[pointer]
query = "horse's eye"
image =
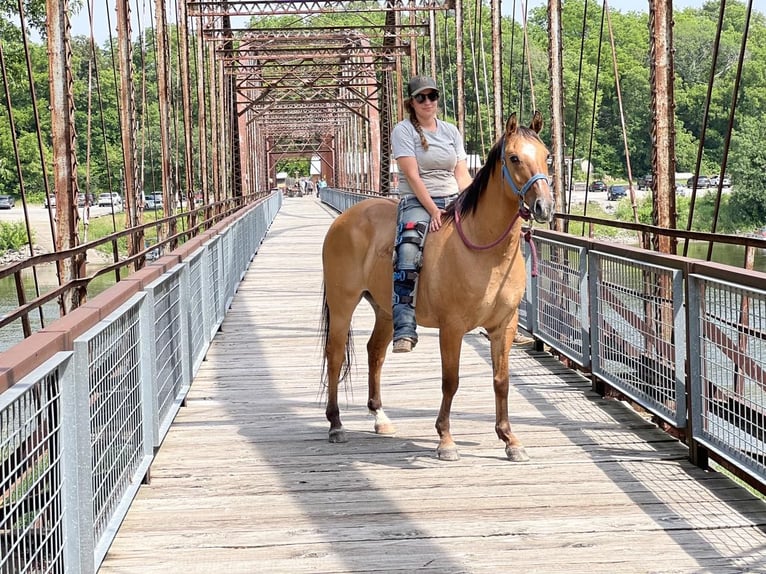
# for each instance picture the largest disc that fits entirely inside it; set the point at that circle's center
(514, 158)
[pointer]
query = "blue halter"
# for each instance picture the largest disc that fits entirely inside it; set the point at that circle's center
(530, 182)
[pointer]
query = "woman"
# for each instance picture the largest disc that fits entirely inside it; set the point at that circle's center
(432, 162)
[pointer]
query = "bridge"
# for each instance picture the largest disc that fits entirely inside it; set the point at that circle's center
(174, 420)
(200, 442)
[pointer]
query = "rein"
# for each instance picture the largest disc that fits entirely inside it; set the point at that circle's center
(523, 212)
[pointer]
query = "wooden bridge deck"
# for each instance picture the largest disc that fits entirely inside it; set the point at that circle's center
(247, 482)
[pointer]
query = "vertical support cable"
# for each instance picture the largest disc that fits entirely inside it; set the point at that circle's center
(460, 102)
(202, 116)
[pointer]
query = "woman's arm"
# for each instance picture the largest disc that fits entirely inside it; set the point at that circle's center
(462, 175)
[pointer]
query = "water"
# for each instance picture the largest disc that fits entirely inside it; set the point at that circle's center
(725, 253)
(46, 278)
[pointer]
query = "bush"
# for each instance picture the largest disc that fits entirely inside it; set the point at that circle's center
(13, 236)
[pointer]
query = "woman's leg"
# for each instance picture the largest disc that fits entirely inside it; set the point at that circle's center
(412, 224)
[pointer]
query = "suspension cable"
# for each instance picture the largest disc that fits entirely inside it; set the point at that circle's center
(622, 114)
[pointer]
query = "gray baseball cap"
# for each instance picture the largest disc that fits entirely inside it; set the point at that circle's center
(420, 84)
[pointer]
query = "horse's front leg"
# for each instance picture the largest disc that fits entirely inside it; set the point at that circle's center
(500, 347)
(449, 344)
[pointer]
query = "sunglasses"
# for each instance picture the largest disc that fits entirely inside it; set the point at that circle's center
(420, 98)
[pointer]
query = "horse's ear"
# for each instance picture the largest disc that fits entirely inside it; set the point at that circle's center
(537, 122)
(511, 125)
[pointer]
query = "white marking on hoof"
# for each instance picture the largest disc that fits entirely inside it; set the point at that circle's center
(383, 424)
(516, 453)
(450, 454)
(338, 435)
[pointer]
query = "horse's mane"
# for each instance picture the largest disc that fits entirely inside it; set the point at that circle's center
(469, 197)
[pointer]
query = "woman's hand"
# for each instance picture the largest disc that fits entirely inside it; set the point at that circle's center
(436, 221)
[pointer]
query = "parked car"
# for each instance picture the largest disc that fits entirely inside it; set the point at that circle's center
(6, 201)
(616, 192)
(645, 181)
(50, 201)
(714, 179)
(109, 199)
(153, 201)
(598, 185)
(702, 182)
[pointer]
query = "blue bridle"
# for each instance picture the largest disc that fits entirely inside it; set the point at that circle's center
(530, 182)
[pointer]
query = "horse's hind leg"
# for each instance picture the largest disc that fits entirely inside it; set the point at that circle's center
(500, 347)
(335, 356)
(381, 336)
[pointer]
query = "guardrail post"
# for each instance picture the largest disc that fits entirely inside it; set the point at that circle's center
(698, 454)
(76, 463)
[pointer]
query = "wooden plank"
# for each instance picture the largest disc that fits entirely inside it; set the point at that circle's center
(246, 480)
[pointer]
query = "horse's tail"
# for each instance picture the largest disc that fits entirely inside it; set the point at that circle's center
(348, 360)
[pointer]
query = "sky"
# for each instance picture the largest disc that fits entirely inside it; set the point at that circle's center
(80, 24)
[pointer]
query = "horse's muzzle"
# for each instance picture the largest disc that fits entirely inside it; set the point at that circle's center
(542, 210)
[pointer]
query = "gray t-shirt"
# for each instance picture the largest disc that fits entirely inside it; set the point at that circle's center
(435, 165)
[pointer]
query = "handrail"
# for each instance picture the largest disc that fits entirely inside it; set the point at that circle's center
(219, 211)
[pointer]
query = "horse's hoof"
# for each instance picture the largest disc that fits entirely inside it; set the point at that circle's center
(383, 424)
(385, 429)
(338, 435)
(516, 453)
(450, 454)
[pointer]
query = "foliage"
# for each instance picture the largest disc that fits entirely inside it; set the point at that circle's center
(13, 236)
(295, 167)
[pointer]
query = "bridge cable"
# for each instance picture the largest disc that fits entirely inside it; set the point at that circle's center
(20, 175)
(570, 182)
(478, 125)
(619, 104)
(510, 61)
(448, 52)
(528, 60)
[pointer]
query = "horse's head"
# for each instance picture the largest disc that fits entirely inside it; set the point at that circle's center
(525, 166)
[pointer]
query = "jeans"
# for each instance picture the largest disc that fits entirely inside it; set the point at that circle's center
(408, 261)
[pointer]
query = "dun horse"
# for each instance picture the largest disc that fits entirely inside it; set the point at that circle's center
(473, 275)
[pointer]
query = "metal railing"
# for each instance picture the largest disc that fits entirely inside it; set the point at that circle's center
(682, 338)
(78, 433)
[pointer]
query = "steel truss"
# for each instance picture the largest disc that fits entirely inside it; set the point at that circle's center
(308, 81)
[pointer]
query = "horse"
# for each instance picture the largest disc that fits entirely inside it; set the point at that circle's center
(473, 275)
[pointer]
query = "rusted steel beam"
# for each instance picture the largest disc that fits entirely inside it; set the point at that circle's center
(663, 136)
(287, 8)
(556, 106)
(163, 93)
(497, 74)
(64, 145)
(186, 108)
(128, 124)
